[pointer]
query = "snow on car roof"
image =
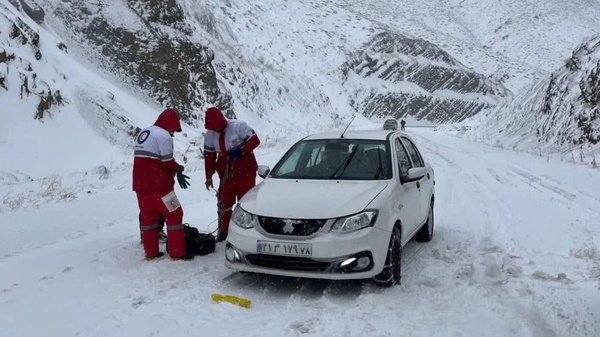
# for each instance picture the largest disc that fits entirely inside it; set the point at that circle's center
(353, 134)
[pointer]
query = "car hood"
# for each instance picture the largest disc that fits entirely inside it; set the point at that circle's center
(310, 199)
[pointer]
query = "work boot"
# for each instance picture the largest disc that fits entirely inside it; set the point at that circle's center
(186, 257)
(221, 236)
(155, 256)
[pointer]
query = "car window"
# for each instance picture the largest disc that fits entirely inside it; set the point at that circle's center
(413, 152)
(403, 160)
(291, 163)
(343, 159)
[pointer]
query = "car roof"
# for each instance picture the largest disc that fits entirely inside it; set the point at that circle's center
(355, 134)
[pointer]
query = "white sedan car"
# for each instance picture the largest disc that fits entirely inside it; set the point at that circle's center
(335, 207)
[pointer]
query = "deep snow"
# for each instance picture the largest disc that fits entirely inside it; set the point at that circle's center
(515, 250)
(514, 254)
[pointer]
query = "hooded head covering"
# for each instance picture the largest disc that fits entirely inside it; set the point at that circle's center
(169, 120)
(215, 120)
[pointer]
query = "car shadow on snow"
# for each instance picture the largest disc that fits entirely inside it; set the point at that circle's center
(286, 287)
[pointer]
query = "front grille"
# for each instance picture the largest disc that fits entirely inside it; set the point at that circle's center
(290, 226)
(287, 262)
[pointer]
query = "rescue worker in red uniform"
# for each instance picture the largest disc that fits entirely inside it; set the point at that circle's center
(228, 150)
(154, 168)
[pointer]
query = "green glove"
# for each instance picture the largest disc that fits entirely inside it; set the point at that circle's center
(182, 179)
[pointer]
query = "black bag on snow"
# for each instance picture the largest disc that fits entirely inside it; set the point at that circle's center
(197, 243)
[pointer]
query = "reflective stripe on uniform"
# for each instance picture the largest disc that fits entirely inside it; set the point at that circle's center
(225, 210)
(174, 227)
(146, 154)
(166, 157)
(148, 227)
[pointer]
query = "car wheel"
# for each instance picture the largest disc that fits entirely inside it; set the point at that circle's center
(425, 234)
(391, 272)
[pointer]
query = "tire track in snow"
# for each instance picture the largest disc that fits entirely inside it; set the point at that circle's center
(493, 268)
(535, 181)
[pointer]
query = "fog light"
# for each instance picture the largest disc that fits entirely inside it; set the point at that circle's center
(347, 262)
(231, 254)
(362, 263)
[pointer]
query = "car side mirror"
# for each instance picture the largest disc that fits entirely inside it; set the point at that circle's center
(414, 174)
(263, 171)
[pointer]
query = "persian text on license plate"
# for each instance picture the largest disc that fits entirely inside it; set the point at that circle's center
(283, 248)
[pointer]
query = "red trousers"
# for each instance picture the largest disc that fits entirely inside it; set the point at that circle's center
(232, 188)
(151, 207)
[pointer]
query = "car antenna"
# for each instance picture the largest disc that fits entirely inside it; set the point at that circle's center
(347, 126)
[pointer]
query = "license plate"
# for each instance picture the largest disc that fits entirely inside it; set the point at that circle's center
(283, 248)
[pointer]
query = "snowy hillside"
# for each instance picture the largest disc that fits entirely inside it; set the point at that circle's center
(558, 117)
(53, 110)
(515, 42)
(308, 65)
(219, 55)
(520, 44)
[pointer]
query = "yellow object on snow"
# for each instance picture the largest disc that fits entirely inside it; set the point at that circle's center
(242, 302)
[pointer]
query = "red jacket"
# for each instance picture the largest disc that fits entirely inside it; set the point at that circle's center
(154, 166)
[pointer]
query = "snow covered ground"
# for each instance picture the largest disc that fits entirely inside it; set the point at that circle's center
(514, 254)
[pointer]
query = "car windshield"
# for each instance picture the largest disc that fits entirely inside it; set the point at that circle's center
(336, 159)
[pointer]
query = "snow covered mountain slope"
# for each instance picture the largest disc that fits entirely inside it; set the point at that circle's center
(216, 49)
(520, 44)
(246, 58)
(396, 76)
(56, 116)
(515, 42)
(560, 115)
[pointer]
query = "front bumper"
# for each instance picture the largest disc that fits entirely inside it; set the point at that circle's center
(329, 251)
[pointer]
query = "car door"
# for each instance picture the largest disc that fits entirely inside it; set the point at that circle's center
(409, 197)
(423, 184)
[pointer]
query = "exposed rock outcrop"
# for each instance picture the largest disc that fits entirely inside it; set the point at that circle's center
(559, 114)
(154, 54)
(401, 76)
(19, 68)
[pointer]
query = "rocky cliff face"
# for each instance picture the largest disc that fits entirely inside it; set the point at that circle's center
(153, 52)
(162, 50)
(399, 76)
(190, 56)
(21, 60)
(559, 113)
(39, 80)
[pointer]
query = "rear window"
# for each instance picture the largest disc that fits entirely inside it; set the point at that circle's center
(390, 124)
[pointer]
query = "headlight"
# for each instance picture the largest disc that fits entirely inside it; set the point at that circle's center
(243, 219)
(354, 222)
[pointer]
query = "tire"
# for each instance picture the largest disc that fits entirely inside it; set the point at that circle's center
(391, 273)
(425, 234)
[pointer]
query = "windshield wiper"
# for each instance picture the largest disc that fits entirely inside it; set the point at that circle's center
(344, 164)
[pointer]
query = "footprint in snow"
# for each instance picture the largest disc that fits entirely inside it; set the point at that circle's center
(562, 277)
(6, 290)
(137, 301)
